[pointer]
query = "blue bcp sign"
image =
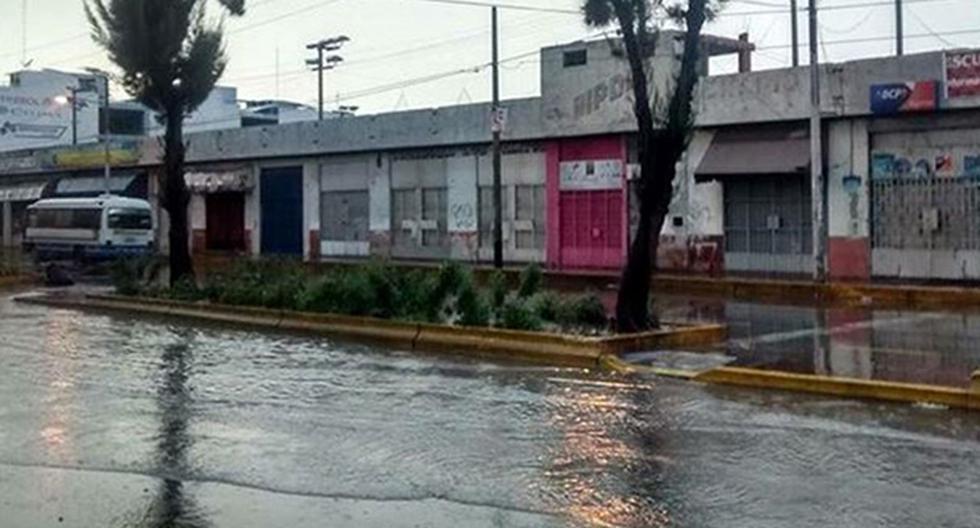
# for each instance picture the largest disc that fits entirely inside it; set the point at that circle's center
(895, 98)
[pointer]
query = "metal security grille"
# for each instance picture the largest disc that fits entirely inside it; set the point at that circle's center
(926, 213)
(529, 216)
(345, 216)
(486, 214)
(767, 216)
(404, 216)
(523, 226)
(433, 224)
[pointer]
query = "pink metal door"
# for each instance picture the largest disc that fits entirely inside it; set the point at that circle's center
(591, 229)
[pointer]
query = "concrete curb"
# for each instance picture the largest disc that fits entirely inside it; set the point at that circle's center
(16, 280)
(947, 298)
(847, 387)
(536, 347)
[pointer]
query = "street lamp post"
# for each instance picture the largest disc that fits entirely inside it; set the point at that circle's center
(322, 63)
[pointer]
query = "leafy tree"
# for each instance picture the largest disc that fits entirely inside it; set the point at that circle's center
(171, 56)
(662, 132)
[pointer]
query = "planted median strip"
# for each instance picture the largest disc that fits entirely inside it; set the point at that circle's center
(500, 343)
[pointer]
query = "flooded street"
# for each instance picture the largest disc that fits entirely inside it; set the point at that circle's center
(916, 347)
(131, 422)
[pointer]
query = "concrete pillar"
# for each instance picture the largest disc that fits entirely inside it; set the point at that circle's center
(8, 224)
(253, 206)
(848, 199)
(311, 211)
(379, 200)
(197, 215)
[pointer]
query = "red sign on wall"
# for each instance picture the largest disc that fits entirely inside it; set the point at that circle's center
(962, 74)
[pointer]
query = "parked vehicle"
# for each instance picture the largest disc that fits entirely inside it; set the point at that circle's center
(89, 228)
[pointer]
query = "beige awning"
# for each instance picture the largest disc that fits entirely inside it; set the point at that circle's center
(201, 182)
(751, 151)
(21, 192)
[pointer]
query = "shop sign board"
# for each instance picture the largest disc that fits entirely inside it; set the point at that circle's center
(591, 175)
(962, 70)
(896, 98)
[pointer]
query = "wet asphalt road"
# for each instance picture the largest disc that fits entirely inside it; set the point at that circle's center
(121, 422)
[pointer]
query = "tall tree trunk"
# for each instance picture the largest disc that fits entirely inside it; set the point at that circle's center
(660, 148)
(176, 197)
(632, 309)
(633, 301)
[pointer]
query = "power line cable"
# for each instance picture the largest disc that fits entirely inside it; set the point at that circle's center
(515, 7)
(860, 40)
(926, 27)
(839, 7)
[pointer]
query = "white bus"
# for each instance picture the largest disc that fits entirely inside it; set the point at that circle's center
(89, 228)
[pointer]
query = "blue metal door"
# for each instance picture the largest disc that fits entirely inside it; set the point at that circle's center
(282, 211)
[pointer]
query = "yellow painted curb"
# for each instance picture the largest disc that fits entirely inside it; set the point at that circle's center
(538, 347)
(16, 280)
(613, 363)
(847, 387)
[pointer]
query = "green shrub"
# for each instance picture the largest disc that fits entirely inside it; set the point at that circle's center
(319, 295)
(448, 280)
(516, 314)
(384, 286)
(185, 290)
(414, 293)
(343, 292)
(447, 295)
(532, 278)
(582, 311)
(130, 276)
(497, 285)
(546, 305)
(472, 307)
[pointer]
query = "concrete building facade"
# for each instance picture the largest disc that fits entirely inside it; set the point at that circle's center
(901, 157)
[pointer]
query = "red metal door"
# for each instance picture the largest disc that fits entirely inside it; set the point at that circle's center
(226, 221)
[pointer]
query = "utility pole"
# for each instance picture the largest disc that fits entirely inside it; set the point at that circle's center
(322, 63)
(794, 32)
(73, 90)
(498, 221)
(105, 141)
(816, 152)
(899, 29)
(104, 135)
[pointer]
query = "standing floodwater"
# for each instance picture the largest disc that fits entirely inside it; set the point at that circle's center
(112, 421)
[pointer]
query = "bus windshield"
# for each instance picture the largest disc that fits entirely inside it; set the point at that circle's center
(130, 218)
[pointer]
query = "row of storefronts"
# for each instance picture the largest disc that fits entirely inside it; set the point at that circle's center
(902, 191)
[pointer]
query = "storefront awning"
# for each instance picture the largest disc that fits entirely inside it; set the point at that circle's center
(202, 182)
(21, 192)
(756, 151)
(93, 185)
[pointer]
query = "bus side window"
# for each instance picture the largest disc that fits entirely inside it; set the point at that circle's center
(87, 219)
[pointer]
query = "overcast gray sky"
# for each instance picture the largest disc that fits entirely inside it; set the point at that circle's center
(394, 43)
